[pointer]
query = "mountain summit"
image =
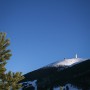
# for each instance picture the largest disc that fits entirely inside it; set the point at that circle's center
(66, 62)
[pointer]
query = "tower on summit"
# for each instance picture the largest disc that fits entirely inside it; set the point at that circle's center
(76, 56)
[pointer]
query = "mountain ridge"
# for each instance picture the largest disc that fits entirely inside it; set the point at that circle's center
(66, 62)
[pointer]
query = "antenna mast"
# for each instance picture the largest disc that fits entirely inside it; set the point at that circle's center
(76, 56)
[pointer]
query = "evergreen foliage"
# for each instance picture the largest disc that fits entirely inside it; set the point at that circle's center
(9, 80)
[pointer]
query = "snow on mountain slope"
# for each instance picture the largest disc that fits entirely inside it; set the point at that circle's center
(67, 87)
(28, 84)
(66, 62)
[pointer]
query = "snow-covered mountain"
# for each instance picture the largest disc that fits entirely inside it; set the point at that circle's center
(65, 71)
(66, 62)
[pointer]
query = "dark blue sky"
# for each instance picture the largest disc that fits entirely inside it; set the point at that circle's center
(44, 31)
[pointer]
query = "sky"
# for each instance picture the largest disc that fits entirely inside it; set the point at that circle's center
(45, 31)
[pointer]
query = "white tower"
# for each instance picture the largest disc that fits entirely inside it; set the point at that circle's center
(76, 56)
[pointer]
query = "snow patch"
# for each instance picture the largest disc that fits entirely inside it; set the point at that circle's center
(28, 83)
(66, 87)
(66, 62)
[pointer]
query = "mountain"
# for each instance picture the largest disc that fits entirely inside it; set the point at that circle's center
(66, 62)
(75, 71)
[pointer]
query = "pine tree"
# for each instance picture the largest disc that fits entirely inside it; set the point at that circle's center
(9, 80)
